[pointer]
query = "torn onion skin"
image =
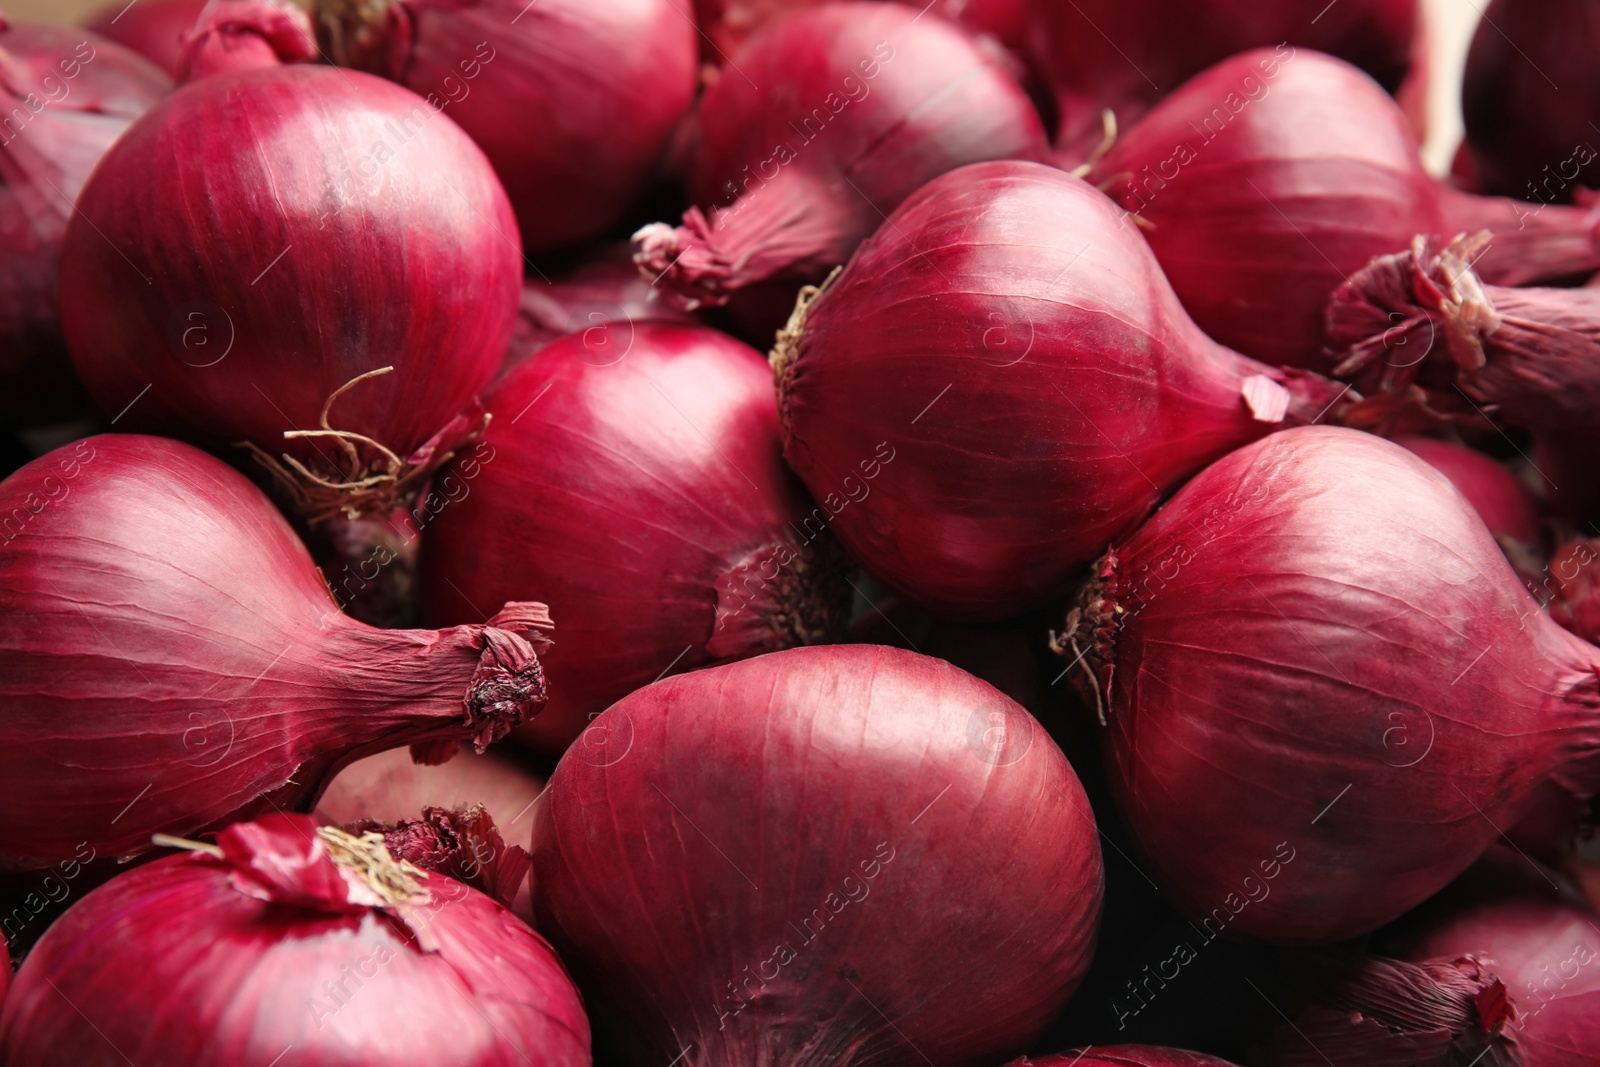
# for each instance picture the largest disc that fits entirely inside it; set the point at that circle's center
(1000, 382)
(858, 105)
(152, 28)
(170, 659)
(289, 942)
(1315, 658)
(1423, 336)
(209, 278)
(634, 473)
(1265, 181)
(573, 101)
(818, 898)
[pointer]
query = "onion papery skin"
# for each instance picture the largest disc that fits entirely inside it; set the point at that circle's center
(170, 659)
(188, 960)
(636, 475)
(1499, 967)
(265, 235)
(67, 95)
(573, 101)
(727, 24)
(999, 383)
(151, 27)
(850, 778)
(1125, 1056)
(1104, 54)
(861, 103)
(1528, 104)
(1323, 615)
(1271, 177)
(1422, 335)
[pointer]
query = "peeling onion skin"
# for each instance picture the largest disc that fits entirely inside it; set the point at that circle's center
(1125, 1056)
(1310, 179)
(1127, 56)
(573, 101)
(171, 661)
(1527, 105)
(783, 198)
(171, 963)
(635, 470)
(1322, 650)
(171, 270)
(846, 769)
(151, 27)
(45, 158)
(1007, 345)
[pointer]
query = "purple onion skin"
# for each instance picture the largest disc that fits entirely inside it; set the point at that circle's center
(150, 27)
(1257, 650)
(842, 770)
(67, 95)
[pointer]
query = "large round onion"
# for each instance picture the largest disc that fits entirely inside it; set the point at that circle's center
(153, 28)
(636, 478)
(67, 95)
(817, 856)
(269, 235)
(292, 946)
(1000, 382)
(1323, 687)
(573, 101)
(170, 659)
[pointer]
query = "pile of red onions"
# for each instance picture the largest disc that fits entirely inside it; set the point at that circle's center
(636, 480)
(66, 95)
(824, 122)
(153, 28)
(1264, 182)
(1001, 381)
(1324, 689)
(209, 281)
(573, 101)
(818, 898)
(170, 659)
(287, 944)
(1126, 55)
(1530, 95)
(1421, 334)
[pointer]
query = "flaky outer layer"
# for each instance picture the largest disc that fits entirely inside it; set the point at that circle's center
(1324, 688)
(890, 855)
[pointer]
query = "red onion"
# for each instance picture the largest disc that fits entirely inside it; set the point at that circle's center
(460, 843)
(1126, 56)
(67, 95)
(1420, 329)
(1499, 969)
(1000, 382)
(1324, 688)
(818, 898)
(292, 945)
(636, 480)
(573, 101)
(858, 105)
(727, 24)
(150, 27)
(141, 573)
(1265, 181)
(209, 279)
(1529, 94)
(1124, 1056)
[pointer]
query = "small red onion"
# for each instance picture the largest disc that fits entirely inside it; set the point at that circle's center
(635, 477)
(295, 946)
(1267, 180)
(140, 573)
(1124, 1056)
(67, 95)
(274, 249)
(1419, 330)
(573, 101)
(1000, 382)
(1126, 55)
(815, 857)
(152, 28)
(827, 120)
(1324, 689)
